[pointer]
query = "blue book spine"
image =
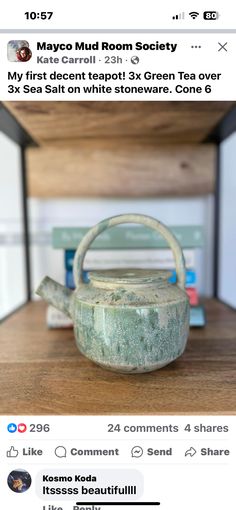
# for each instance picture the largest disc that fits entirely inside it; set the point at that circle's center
(69, 257)
(70, 279)
(190, 277)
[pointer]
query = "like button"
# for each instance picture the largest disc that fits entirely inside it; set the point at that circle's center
(12, 452)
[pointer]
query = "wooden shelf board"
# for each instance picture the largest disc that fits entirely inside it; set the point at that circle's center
(50, 122)
(120, 149)
(42, 372)
(113, 169)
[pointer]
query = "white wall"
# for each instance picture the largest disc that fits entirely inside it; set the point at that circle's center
(45, 214)
(12, 263)
(227, 248)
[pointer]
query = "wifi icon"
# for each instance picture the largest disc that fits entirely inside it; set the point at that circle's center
(194, 14)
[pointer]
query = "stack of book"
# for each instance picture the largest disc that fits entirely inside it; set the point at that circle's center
(129, 247)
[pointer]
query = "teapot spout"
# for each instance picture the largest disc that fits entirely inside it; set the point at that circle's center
(55, 294)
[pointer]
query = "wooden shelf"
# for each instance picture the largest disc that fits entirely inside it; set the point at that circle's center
(67, 122)
(42, 372)
(120, 148)
(121, 169)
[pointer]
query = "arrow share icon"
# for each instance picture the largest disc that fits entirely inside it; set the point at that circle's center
(190, 452)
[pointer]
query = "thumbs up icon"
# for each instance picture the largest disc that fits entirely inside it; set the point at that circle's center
(12, 452)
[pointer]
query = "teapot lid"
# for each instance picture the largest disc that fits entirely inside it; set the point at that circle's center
(130, 276)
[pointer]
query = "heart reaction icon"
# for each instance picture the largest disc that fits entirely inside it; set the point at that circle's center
(22, 428)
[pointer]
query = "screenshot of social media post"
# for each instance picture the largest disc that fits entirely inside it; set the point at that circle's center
(117, 257)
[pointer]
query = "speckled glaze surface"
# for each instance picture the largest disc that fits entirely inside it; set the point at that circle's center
(128, 320)
(131, 327)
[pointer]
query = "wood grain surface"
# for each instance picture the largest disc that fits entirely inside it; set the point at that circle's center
(121, 169)
(42, 372)
(164, 121)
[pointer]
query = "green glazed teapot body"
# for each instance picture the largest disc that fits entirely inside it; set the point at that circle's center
(130, 320)
(126, 320)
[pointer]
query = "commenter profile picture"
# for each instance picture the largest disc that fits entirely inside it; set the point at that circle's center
(18, 51)
(19, 481)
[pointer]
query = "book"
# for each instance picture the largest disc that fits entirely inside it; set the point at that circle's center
(144, 258)
(192, 295)
(197, 317)
(68, 259)
(132, 237)
(70, 279)
(56, 319)
(109, 259)
(190, 277)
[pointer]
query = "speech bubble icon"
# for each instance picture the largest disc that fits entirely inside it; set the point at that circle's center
(137, 451)
(60, 451)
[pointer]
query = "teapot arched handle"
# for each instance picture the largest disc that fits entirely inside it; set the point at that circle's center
(129, 218)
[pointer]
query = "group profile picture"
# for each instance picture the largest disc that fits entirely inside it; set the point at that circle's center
(18, 51)
(19, 481)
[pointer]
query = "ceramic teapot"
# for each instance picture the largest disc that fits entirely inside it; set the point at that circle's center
(126, 320)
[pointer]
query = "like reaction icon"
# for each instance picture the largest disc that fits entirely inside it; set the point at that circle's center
(12, 453)
(12, 427)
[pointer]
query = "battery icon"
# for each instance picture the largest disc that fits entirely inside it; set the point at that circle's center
(210, 15)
